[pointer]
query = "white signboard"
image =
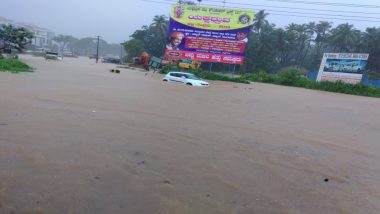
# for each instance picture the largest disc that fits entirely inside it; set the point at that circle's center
(346, 67)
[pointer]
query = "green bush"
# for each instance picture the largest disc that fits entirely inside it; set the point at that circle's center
(304, 82)
(168, 68)
(293, 77)
(372, 75)
(219, 77)
(289, 77)
(261, 76)
(355, 89)
(14, 66)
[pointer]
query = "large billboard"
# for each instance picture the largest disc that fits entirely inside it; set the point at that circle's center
(346, 67)
(208, 34)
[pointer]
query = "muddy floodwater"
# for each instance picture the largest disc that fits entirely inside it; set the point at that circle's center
(76, 138)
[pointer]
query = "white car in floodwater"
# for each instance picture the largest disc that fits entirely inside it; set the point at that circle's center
(186, 78)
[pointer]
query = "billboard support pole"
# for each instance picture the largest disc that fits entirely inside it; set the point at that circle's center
(210, 66)
(233, 70)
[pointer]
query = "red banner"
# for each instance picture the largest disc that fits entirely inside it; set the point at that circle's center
(204, 57)
(212, 44)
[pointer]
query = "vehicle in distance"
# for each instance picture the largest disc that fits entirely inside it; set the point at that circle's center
(52, 55)
(186, 78)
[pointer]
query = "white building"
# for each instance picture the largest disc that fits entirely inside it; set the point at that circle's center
(42, 36)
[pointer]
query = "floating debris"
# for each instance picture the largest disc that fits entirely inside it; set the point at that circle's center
(166, 182)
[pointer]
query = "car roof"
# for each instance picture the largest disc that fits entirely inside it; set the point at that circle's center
(179, 72)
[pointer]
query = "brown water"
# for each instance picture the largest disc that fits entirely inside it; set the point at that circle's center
(75, 138)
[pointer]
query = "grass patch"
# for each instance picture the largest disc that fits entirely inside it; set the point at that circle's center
(205, 74)
(295, 78)
(14, 66)
(291, 77)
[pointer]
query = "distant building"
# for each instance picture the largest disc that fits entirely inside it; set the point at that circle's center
(42, 36)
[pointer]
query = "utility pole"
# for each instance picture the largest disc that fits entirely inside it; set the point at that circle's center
(121, 53)
(97, 50)
(199, 1)
(224, 3)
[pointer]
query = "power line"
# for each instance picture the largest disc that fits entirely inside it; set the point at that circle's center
(322, 14)
(307, 2)
(327, 3)
(336, 15)
(327, 16)
(293, 8)
(320, 17)
(296, 8)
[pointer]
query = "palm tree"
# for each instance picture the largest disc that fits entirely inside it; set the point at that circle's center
(157, 35)
(160, 25)
(370, 43)
(282, 45)
(344, 38)
(307, 36)
(260, 20)
(321, 29)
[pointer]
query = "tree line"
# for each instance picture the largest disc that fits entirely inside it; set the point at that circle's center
(14, 38)
(84, 46)
(303, 45)
(272, 48)
(19, 38)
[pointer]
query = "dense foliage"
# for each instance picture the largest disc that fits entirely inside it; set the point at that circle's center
(85, 46)
(14, 38)
(153, 37)
(293, 77)
(272, 48)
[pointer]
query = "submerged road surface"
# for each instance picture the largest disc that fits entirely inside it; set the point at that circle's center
(76, 138)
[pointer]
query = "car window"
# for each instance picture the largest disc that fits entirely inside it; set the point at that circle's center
(193, 77)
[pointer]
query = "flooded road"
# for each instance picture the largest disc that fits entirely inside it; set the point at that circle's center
(75, 138)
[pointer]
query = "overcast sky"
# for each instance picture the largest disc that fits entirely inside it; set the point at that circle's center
(116, 20)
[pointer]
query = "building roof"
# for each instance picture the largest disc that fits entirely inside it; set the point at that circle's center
(21, 24)
(8, 21)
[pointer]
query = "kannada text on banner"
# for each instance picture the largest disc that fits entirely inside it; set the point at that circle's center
(208, 34)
